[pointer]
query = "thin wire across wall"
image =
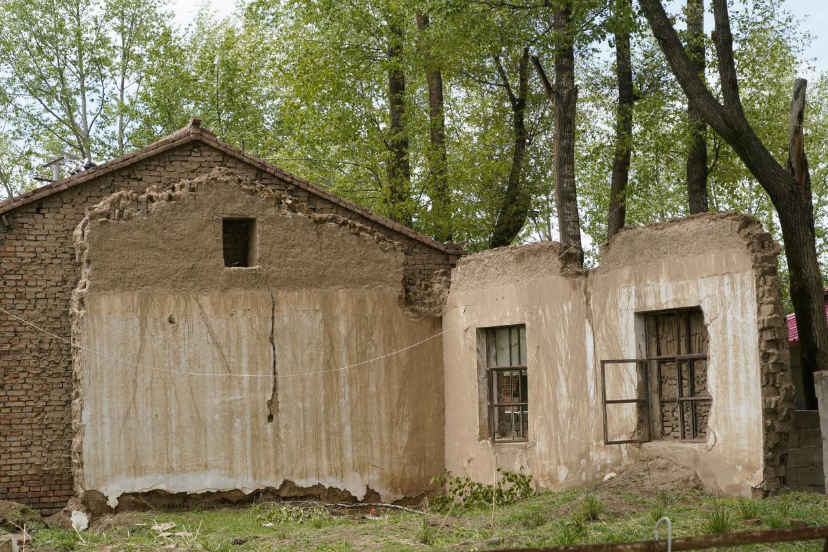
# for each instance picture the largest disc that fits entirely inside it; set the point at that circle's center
(271, 376)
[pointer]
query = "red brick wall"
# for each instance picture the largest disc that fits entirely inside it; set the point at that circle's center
(39, 272)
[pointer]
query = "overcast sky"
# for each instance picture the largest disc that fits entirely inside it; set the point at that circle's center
(185, 9)
(814, 14)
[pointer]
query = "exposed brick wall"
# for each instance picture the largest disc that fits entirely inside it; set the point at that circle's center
(804, 465)
(39, 272)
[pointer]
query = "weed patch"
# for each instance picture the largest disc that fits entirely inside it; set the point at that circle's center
(511, 487)
(720, 520)
(592, 507)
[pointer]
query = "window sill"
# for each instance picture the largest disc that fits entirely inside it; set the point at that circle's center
(515, 443)
(662, 443)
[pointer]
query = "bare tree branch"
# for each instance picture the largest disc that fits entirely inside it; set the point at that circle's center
(547, 86)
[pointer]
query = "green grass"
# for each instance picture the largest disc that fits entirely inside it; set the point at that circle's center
(426, 535)
(592, 507)
(546, 519)
(749, 508)
(657, 512)
(720, 520)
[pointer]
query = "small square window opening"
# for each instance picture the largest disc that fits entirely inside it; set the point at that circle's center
(239, 242)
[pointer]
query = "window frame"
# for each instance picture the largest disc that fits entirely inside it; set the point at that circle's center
(643, 403)
(519, 408)
(643, 368)
(679, 359)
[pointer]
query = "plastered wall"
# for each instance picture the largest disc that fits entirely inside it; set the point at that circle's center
(39, 272)
(574, 319)
(194, 378)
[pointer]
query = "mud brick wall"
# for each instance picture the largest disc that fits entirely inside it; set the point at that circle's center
(804, 465)
(39, 272)
(670, 423)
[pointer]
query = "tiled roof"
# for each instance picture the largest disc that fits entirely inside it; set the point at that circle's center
(194, 133)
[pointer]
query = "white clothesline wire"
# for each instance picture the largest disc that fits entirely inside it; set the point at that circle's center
(268, 376)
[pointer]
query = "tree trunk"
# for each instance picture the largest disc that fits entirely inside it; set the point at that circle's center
(514, 208)
(792, 202)
(623, 120)
(398, 168)
(697, 154)
(122, 69)
(797, 166)
(806, 294)
(797, 163)
(121, 92)
(566, 94)
(437, 155)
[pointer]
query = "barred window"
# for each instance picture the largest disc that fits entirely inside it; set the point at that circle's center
(677, 357)
(506, 381)
(664, 395)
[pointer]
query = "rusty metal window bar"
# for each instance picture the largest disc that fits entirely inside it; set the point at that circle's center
(506, 382)
(641, 400)
(684, 353)
(684, 357)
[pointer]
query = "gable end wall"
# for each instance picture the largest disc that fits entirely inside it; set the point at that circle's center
(39, 272)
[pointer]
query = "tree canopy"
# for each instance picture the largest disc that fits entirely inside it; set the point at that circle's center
(345, 94)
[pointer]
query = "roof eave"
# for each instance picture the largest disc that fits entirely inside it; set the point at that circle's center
(194, 132)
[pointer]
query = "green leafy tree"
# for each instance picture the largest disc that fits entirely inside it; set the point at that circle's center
(72, 70)
(788, 186)
(136, 27)
(220, 70)
(15, 167)
(56, 64)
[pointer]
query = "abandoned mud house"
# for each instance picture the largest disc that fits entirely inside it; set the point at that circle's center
(189, 319)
